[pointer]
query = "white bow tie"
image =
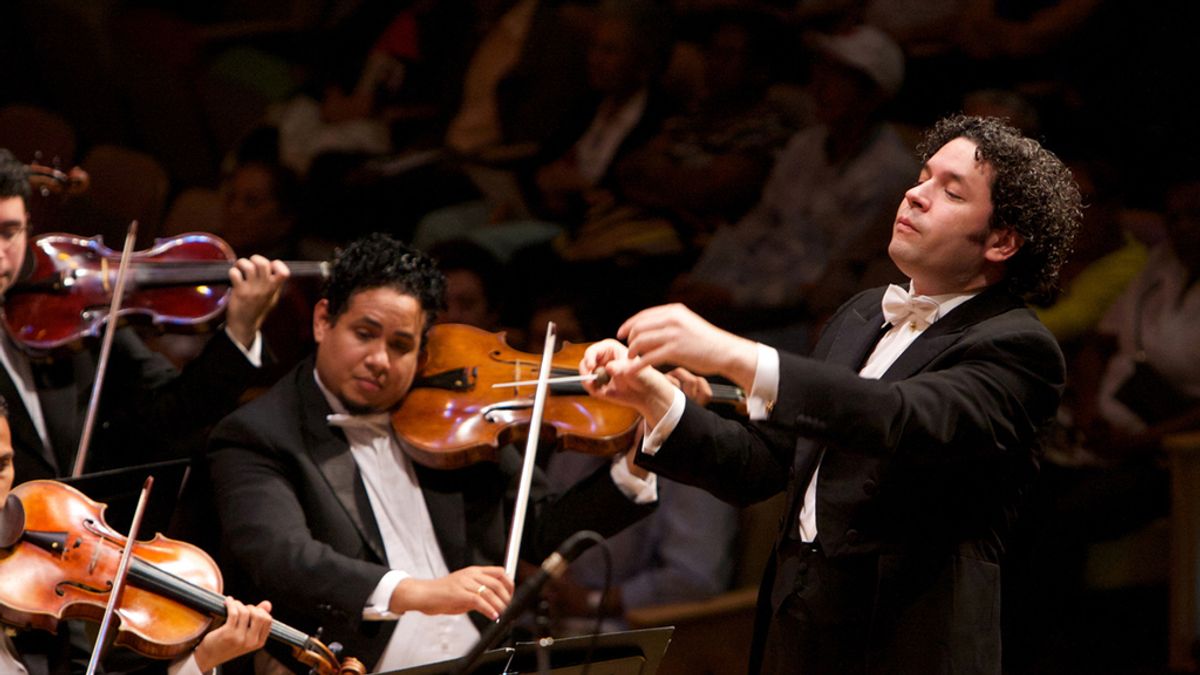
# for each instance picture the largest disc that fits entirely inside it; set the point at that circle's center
(900, 307)
(380, 423)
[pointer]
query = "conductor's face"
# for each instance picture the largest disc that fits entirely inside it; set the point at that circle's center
(942, 238)
(368, 355)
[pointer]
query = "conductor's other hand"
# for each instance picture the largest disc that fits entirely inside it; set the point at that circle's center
(245, 630)
(486, 590)
(675, 335)
(257, 283)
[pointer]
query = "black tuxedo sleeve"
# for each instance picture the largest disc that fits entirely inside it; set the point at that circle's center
(737, 461)
(987, 394)
(158, 402)
(309, 565)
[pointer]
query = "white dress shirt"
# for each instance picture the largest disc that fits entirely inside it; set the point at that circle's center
(765, 391)
(411, 546)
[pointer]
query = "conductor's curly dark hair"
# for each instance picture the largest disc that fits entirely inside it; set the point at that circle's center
(1033, 194)
(380, 261)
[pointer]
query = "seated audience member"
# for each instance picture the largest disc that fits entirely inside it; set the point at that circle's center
(823, 216)
(258, 209)
(1137, 380)
(474, 283)
(244, 630)
(1103, 263)
(321, 510)
(147, 405)
(573, 170)
(707, 165)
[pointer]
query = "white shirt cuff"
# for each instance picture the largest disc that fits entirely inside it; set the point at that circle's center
(378, 604)
(654, 440)
(254, 353)
(186, 666)
(765, 390)
(640, 490)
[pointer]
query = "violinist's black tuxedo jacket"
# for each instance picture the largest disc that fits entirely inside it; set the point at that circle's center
(921, 476)
(147, 406)
(297, 525)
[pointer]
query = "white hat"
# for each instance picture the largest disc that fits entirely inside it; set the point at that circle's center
(868, 50)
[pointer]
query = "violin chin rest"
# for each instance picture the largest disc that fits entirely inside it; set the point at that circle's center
(12, 521)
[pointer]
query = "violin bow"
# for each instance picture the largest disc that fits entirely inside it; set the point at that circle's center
(531, 444)
(118, 582)
(110, 329)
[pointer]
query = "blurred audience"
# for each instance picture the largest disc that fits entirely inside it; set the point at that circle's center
(808, 243)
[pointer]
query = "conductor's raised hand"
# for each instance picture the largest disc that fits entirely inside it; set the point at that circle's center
(257, 283)
(486, 590)
(675, 335)
(626, 381)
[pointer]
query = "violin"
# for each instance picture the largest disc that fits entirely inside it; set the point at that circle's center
(181, 283)
(59, 564)
(453, 416)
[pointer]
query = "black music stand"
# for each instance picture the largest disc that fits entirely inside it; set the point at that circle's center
(120, 489)
(634, 652)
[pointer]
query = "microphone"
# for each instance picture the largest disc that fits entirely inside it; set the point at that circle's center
(525, 595)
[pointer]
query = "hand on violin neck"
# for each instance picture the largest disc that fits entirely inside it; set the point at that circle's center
(257, 283)
(486, 590)
(628, 381)
(245, 629)
(673, 334)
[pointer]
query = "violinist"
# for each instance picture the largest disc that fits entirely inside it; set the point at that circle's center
(244, 631)
(321, 511)
(147, 405)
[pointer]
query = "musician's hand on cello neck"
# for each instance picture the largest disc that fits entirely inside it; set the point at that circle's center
(245, 629)
(674, 334)
(486, 590)
(257, 283)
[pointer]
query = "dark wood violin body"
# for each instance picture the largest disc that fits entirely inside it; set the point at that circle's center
(453, 416)
(181, 282)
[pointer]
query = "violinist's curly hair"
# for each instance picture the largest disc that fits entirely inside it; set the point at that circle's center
(1033, 194)
(380, 261)
(14, 177)
(3, 408)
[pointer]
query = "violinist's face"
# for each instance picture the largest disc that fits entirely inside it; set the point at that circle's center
(14, 226)
(6, 461)
(368, 356)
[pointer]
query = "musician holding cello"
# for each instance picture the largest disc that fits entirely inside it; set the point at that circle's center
(244, 631)
(322, 511)
(147, 404)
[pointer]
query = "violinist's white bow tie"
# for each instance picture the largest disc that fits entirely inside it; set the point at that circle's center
(378, 422)
(900, 307)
